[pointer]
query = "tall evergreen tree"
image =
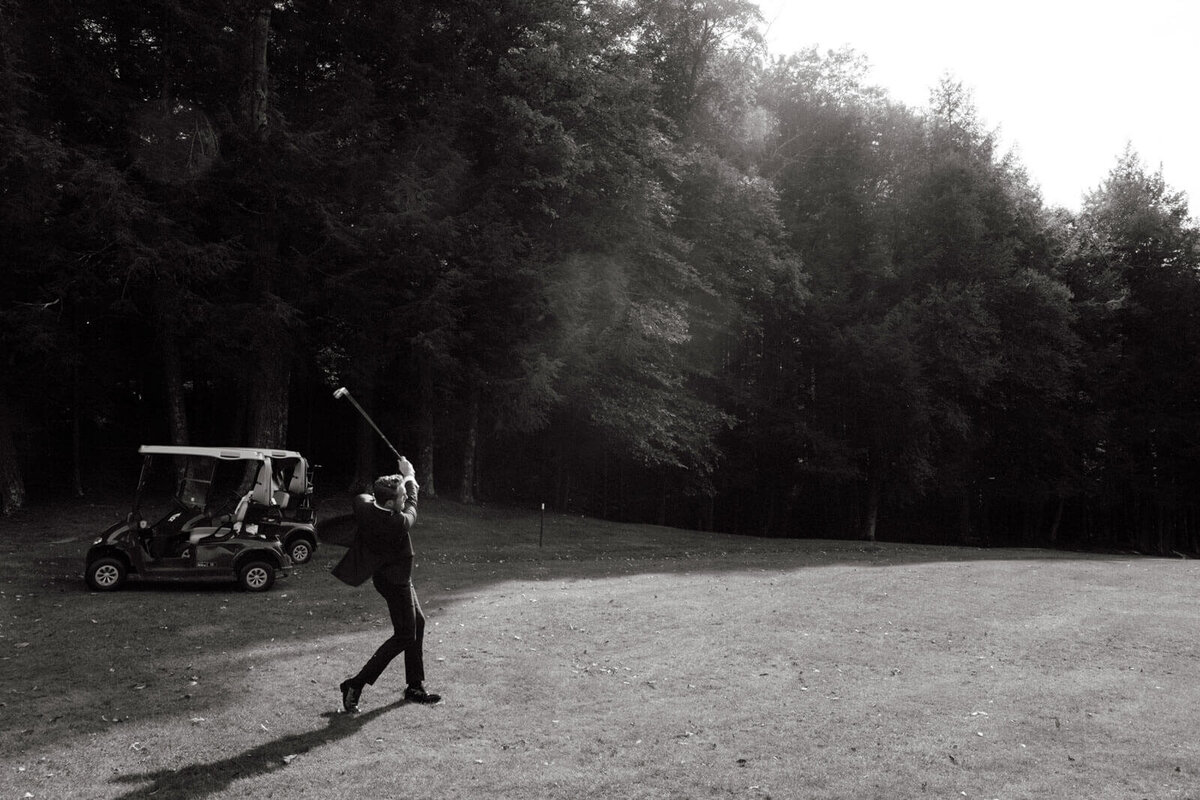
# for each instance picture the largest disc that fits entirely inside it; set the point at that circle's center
(1133, 269)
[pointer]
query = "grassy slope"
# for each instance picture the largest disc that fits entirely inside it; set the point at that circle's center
(615, 661)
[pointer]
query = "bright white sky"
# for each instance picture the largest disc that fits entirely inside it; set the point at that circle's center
(1066, 83)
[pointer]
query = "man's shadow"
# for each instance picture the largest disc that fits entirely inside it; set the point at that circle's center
(199, 780)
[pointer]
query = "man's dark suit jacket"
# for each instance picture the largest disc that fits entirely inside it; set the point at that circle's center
(381, 539)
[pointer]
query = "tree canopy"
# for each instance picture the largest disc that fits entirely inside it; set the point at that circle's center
(608, 255)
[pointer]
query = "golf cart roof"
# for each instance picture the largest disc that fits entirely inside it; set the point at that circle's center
(228, 453)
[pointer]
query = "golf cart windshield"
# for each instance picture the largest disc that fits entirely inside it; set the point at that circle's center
(197, 478)
(228, 483)
(198, 483)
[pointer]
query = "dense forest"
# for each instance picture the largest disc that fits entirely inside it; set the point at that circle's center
(610, 255)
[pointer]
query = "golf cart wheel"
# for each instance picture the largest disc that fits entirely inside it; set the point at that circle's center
(256, 576)
(106, 574)
(300, 550)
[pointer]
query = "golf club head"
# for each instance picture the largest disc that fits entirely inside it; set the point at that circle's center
(338, 394)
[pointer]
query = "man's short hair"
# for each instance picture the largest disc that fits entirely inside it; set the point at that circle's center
(387, 487)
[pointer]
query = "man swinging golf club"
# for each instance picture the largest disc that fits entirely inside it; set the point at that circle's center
(382, 550)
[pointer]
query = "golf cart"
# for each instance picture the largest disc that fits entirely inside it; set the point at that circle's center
(210, 512)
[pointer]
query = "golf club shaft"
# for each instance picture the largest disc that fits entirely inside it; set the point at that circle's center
(343, 392)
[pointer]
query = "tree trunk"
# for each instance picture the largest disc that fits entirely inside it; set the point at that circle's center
(662, 499)
(768, 521)
(562, 476)
(271, 378)
(271, 372)
(425, 423)
(1054, 526)
(791, 499)
(269, 398)
(605, 493)
(965, 535)
(173, 376)
(255, 90)
(872, 515)
(172, 361)
(12, 483)
(466, 492)
(1161, 534)
(874, 495)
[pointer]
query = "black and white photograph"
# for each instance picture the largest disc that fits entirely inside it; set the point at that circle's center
(613, 399)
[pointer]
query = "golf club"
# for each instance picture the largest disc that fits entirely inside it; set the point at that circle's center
(343, 392)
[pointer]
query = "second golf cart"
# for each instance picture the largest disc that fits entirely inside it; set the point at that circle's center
(210, 512)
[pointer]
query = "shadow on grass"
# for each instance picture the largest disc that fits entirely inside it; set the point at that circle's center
(212, 778)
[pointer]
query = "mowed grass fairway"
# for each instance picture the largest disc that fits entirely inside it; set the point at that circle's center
(615, 661)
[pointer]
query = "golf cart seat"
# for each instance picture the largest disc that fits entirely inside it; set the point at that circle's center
(225, 528)
(282, 489)
(289, 490)
(298, 485)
